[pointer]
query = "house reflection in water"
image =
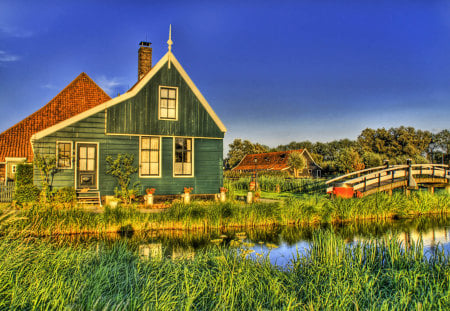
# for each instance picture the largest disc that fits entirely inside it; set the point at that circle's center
(430, 239)
(183, 253)
(155, 251)
(151, 250)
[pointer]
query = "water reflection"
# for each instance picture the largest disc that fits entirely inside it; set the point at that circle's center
(281, 244)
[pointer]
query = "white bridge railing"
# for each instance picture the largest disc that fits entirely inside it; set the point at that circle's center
(378, 176)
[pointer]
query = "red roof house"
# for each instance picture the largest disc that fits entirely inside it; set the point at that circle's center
(277, 161)
(15, 146)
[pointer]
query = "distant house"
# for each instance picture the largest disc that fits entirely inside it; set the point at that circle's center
(15, 147)
(163, 120)
(278, 161)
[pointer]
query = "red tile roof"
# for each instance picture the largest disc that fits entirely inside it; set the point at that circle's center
(80, 95)
(275, 161)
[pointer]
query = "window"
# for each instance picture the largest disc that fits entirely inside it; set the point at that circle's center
(149, 156)
(64, 150)
(183, 157)
(168, 103)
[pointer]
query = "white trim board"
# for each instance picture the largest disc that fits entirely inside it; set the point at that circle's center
(114, 101)
(14, 159)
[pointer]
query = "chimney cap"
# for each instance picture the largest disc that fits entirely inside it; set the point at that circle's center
(144, 43)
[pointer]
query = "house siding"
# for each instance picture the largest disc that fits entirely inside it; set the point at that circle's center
(208, 155)
(139, 115)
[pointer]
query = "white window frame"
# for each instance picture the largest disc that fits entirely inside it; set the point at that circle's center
(159, 103)
(71, 154)
(192, 158)
(160, 158)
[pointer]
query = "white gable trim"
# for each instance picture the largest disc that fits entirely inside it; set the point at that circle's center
(132, 93)
(197, 93)
(310, 156)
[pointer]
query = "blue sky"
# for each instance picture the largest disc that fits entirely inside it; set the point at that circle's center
(274, 71)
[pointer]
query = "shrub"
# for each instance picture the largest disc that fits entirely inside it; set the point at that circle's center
(122, 168)
(27, 193)
(24, 190)
(47, 168)
(24, 174)
(65, 195)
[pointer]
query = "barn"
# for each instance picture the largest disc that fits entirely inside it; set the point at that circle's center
(278, 161)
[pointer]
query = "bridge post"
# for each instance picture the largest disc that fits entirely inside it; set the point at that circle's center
(447, 189)
(407, 191)
(386, 163)
(431, 189)
(390, 192)
(410, 179)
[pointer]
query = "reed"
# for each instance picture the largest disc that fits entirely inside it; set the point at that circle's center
(273, 183)
(41, 220)
(384, 275)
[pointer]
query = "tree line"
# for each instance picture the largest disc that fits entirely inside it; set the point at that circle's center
(370, 149)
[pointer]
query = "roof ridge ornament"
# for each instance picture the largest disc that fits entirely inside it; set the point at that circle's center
(169, 43)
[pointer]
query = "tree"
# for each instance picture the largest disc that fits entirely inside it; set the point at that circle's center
(395, 142)
(47, 168)
(239, 149)
(442, 142)
(296, 161)
(372, 159)
(349, 160)
(122, 168)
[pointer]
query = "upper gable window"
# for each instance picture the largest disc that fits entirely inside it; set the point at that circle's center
(168, 103)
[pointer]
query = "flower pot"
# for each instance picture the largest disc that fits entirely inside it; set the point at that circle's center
(222, 197)
(187, 198)
(149, 200)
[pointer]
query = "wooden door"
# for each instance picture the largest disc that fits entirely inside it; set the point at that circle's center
(87, 170)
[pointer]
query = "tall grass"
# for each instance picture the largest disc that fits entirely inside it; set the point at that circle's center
(278, 183)
(378, 206)
(36, 275)
(50, 220)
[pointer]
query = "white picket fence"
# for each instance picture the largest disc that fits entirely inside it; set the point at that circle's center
(6, 192)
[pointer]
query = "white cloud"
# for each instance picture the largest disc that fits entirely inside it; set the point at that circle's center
(109, 85)
(15, 32)
(6, 57)
(49, 86)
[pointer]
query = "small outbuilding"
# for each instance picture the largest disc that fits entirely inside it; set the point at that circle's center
(279, 161)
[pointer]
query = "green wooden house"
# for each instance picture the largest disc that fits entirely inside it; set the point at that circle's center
(163, 120)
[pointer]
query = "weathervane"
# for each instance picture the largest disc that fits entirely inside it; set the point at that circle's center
(169, 43)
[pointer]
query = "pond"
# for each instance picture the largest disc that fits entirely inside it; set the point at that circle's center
(280, 244)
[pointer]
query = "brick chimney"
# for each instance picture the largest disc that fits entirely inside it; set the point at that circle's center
(144, 59)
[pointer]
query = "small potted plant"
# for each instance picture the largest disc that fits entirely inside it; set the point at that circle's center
(222, 195)
(149, 196)
(187, 194)
(114, 201)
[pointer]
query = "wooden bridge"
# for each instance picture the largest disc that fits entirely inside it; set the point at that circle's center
(385, 178)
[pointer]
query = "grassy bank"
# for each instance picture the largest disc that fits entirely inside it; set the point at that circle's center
(48, 220)
(383, 275)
